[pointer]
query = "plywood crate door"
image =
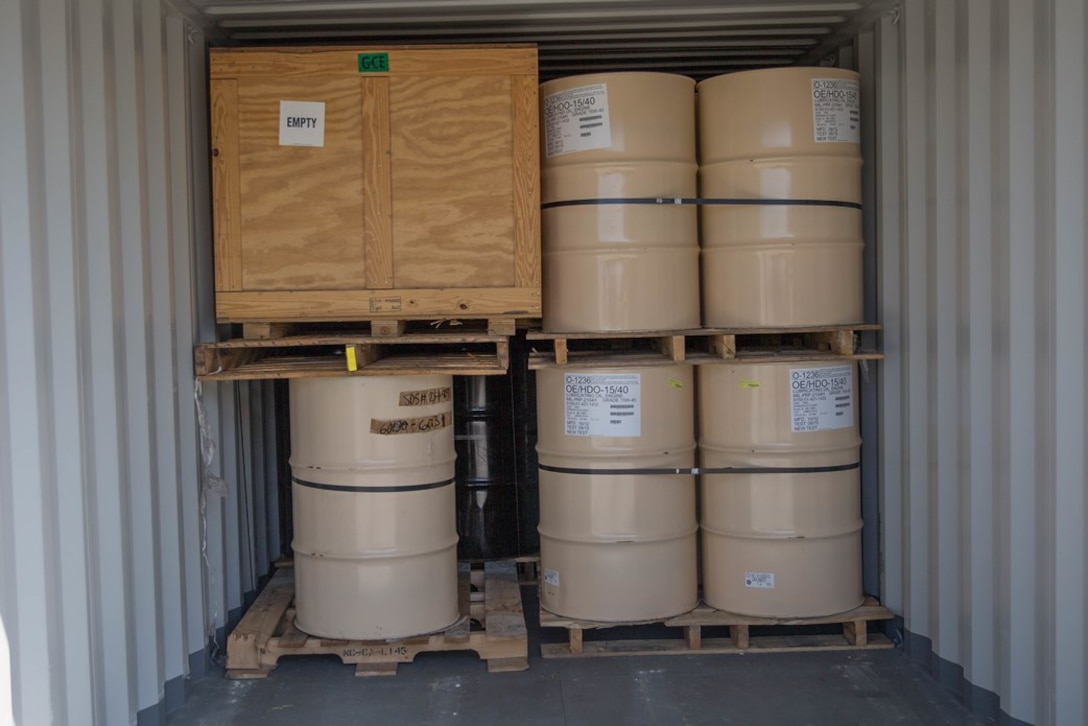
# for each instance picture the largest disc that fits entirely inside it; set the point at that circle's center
(302, 213)
(452, 181)
(420, 198)
(226, 202)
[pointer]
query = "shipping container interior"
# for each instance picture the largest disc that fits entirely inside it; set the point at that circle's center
(141, 511)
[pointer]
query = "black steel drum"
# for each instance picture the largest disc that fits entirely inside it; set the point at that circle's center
(487, 492)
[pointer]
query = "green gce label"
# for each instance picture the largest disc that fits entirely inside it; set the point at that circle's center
(373, 62)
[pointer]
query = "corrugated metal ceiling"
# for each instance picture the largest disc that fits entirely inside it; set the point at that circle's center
(694, 37)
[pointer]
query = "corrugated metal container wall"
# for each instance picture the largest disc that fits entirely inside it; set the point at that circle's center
(112, 577)
(116, 566)
(980, 160)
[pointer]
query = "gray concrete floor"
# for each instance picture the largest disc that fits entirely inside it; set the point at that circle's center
(846, 687)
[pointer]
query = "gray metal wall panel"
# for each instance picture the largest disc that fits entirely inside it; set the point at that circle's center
(868, 395)
(23, 507)
(187, 491)
(1070, 129)
(271, 468)
(104, 237)
(979, 651)
(980, 168)
(885, 158)
(172, 654)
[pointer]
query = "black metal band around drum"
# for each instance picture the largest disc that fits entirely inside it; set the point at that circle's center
(699, 201)
(373, 490)
(705, 470)
(778, 469)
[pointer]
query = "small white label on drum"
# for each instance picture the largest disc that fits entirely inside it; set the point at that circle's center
(836, 111)
(551, 577)
(759, 580)
(577, 120)
(302, 123)
(603, 404)
(822, 399)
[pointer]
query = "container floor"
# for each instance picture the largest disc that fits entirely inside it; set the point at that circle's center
(844, 687)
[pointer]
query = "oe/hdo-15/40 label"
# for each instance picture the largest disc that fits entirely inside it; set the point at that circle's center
(603, 404)
(577, 120)
(822, 399)
(836, 110)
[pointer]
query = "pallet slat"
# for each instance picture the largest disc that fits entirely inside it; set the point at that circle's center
(690, 640)
(502, 602)
(870, 609)
(711, 646)
(385, 349)
(244, 644)
(700, 346)
(267, 632)
(281, 368)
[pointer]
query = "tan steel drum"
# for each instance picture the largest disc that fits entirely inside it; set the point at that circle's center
(616, 547)
(780, 544)
(781, 134)
(613, 266)
(372, 463)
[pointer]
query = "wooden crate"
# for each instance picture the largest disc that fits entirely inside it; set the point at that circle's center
(423, 200)
(490, 597)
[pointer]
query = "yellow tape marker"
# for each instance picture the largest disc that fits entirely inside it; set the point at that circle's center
(349, 351)
(676, 383)
(749, 384)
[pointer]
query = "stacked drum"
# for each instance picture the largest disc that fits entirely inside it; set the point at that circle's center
(781, 247)
(614, 258)
(781, 148)
(616, 445)
(781, 520)
(372, 466)
(617, 529)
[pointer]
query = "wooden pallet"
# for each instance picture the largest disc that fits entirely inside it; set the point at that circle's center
(490, 597)
(701, 346)
(379, 348)
(624, 349)
(381, 328)
(776, 635)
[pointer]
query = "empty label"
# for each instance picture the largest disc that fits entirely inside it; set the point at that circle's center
(836, 111)
(603, 404)
(302, 123)
(577, 120)
(759, 580)
(551, 577)
(822, 399)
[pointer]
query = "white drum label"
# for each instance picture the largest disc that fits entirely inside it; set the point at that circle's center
(836, 111)
(759, 580)
(551, 577)
(603, 404)
(577, 120)
(822, 399)
(302, 123)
